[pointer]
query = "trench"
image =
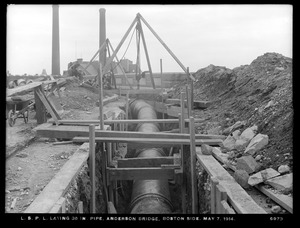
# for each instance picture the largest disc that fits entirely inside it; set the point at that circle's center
(134, 197)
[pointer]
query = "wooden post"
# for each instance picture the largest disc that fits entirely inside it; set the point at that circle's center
(187, 99)
(101, 97)
(220, 195)
(214, 181)
(183, 185)
(39, 107)
(127, 109)
(161, 74)
(92, 167)
(80, 207)
(193, 167)
(191, 91)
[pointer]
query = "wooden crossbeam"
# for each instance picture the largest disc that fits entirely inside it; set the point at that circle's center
(133, 91)
(125, 121)
(144, 162)
(155, 141)
(197, 103)
(69, 132)
(140, 173)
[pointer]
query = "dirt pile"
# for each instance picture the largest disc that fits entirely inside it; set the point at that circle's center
(259, 94)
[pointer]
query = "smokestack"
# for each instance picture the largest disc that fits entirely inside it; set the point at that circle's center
(55, 41)
(102, 35)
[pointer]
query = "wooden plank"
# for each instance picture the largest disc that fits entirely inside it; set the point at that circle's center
(59, 185)
(237, 196)
(59, 206)
(107, 100)
(197, 103)
(283, 200)
(124, 121)
(213, 183)
(226, 208)
(92, 167)
(222, 157)
(30, 86)
(144, 162)
(133, 91)
(154, 141)
(62, 143)
(69, 132)
(140, 173)
(220, 195)
(48, 105)
(111, 208)
(39, 109)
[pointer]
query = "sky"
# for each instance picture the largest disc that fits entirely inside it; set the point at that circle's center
(198, 35)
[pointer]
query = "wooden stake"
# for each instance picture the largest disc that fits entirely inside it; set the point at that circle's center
(40, 108)
(193, 167)
(214, 182)
(80, 207)
(183, 186)
(220, 195)
(188, 98)
(191, 92)
(127, 109)
(92, 168)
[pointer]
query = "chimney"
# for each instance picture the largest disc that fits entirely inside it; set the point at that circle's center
(102, 34)
(55, 41)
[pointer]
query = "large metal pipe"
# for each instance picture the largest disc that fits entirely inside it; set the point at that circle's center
(55, 41)
(148, 196)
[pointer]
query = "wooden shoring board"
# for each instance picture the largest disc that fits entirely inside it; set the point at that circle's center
(69, 132)
(58, 186)
(197, 103)
(283, 200)
(59, 206)
(140, 173)
(144, 162)
(133, 91)
(237, 196)
(144, 140)
(48, 105)
(123, 121)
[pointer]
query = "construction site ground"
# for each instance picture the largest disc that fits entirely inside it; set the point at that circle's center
(241, 94)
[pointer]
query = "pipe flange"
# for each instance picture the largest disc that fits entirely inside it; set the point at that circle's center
(151, 195)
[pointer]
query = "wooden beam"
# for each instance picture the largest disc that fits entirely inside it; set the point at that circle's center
(153, 141)
(140, 173)
(197, 103)
(59, 206)
(134, 91)
(144, 162)
(213, 193)
(226, 209)
(59, 185)
(237, 196)
(126, 121)
(283, 200)
(61, 131)
(39, 108)
(220, 195)
(30, 86)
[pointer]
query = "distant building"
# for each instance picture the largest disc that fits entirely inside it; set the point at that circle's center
(79, 65)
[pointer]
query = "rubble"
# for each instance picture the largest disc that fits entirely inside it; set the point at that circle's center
(245, 138)
(248, 164)
(262, 176)
(257, 143)
(282, 183)
(283, 169)
(241, 177)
